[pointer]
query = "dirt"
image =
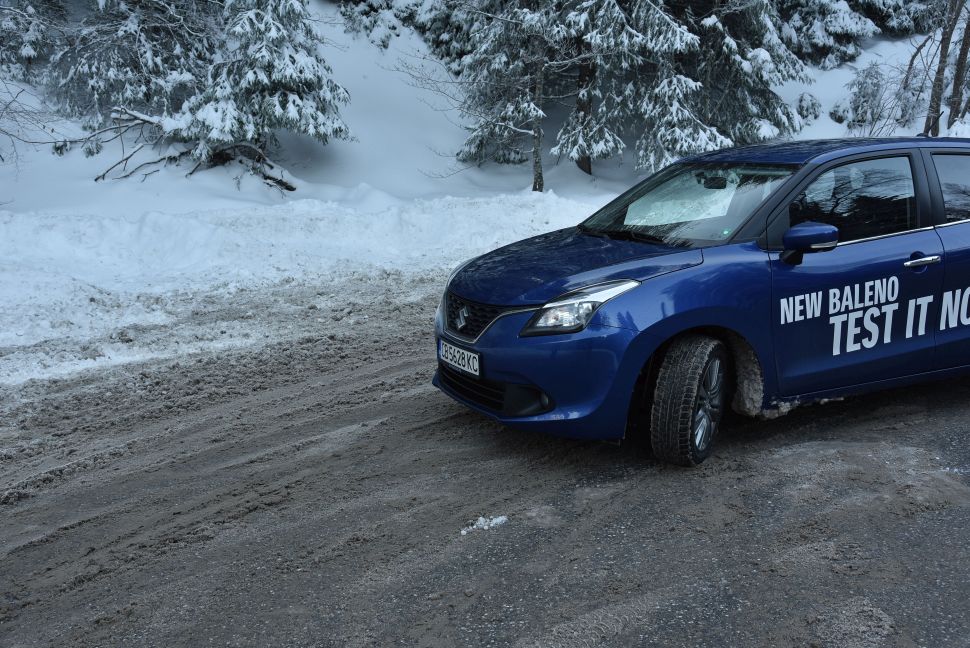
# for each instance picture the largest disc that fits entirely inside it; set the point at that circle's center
(312, 492)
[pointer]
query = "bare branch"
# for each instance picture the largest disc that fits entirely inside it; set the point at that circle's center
(123, 162)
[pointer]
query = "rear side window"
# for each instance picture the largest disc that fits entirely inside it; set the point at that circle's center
(863, 199)
(954, 174)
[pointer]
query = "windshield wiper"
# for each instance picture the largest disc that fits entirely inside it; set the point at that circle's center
(643, 237)
(585, 229)
(633, 235)
(619, 235)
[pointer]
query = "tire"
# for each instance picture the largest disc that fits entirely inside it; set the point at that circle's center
(689, 399)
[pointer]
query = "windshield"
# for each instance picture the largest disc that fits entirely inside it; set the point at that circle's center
(689, 204)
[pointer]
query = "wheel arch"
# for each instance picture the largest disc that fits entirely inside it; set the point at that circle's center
(748, 374)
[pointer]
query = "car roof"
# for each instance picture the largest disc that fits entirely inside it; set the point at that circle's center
(804, 151)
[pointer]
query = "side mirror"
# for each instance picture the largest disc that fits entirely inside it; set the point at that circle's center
(808, 237)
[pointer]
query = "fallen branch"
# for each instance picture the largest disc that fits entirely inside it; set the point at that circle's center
(259, 163)
(122, 162)
(174, 158)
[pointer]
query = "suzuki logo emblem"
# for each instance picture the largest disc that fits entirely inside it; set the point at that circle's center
(462, 318)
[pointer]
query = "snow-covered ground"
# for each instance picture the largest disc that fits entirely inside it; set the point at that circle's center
(84, 264)
(71, 282)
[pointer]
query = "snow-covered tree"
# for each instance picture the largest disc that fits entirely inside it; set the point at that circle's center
(503, 84)
(605, 48)
(271, 77)
(378, 19)
(901, 17)
(741, 61)
(884, 99)
(147, 56)
(830, 32)
(667, 94)
(671, 128)
(451, 28)
(870, 109)
(825, 32)
(617, 62)
(675, 78)
(809, 108)
(26, 36)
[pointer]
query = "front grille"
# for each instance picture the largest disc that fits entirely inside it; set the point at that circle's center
(487, 393)
(477, 317)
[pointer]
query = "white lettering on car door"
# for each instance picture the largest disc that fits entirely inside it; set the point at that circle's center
(862, 315)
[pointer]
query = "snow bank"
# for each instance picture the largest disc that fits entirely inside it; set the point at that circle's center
(86, 276)
(158, 251)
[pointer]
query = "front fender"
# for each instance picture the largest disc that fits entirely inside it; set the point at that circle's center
(730, 291)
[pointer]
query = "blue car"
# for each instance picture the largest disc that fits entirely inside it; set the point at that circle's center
(753, 278)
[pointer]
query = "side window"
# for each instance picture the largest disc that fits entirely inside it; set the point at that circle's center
(863, 199)
(954, 174)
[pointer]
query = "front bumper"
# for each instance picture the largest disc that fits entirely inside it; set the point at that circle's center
(576, 385)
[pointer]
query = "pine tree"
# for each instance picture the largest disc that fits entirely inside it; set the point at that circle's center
(825, 32)
(671, 128)
(147, 56)
(27, 34)
(901, 17)
(675, 78)
(451, 27)
(869, 110)
(605, 45)
(667, 95)
(380, 20)
(503, 80)
(742, 60)
(271, 77)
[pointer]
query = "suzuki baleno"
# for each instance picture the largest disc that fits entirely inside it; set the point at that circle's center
(752, 278)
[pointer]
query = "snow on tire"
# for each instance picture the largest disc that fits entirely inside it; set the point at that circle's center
(689, 399)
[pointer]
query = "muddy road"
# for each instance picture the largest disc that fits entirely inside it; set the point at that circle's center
(313, 493)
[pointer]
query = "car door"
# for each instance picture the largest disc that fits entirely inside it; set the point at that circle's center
(865, 310)
(949, 176)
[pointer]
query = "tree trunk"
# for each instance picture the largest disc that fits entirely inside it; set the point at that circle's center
(959, 78)
(584, 102)
(538, 183)
(932, 124)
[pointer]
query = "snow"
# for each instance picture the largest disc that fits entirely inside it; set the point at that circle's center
(84, 276)
(485, 523)
(830, 86)
(83, 264)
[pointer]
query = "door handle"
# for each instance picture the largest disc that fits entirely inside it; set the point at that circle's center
(923, 261)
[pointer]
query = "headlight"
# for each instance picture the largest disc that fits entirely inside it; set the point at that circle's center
(573, 311)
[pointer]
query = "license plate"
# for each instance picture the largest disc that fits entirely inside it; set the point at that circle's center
(460, 359)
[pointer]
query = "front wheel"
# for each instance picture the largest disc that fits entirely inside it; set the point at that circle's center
(689, 399)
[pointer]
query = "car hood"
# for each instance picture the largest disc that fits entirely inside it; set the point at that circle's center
(538, 269)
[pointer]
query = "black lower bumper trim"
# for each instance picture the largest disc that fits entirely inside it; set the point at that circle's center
(507, 399)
